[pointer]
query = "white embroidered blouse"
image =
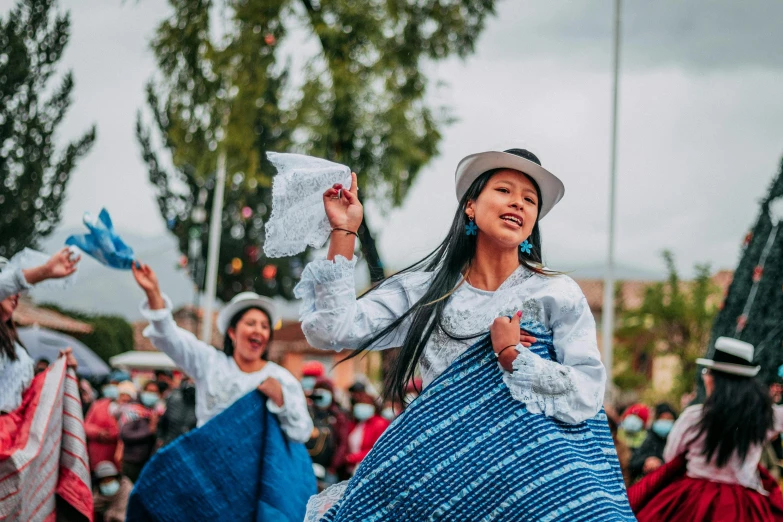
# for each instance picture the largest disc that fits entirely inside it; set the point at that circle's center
(570, 390)
(15, 376)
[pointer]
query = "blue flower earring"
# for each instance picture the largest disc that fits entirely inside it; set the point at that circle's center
(471, 229)
(526, 247)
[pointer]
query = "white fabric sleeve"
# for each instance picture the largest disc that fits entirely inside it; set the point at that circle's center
(191, 355)
(334, 319)
(12, 282)
(572, 388)
(294, 418)
(679, 437)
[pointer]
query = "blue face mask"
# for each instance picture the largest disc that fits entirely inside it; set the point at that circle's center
(662, 427)
(362, 411)
(110, 488)
(308, 383)
(322, 398)
(632, 424)
(148, 398)
(110, 392)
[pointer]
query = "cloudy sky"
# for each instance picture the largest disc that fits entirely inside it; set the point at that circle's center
(701, 128)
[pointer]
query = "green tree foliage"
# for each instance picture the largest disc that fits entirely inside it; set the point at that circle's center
(360, 102)
(34, 175)
(674, 317)
(111, 335)
(753, 308)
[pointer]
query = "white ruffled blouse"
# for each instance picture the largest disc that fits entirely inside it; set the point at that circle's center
(219, 381)
(15, 376)
(570, 390)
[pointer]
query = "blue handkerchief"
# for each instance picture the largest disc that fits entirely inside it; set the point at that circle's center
(103, 243)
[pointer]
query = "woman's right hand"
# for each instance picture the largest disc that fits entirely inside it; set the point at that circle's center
(62, 264)
(148, 281)
(342, 206)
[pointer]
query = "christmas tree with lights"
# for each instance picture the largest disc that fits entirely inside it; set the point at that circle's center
(752, 310)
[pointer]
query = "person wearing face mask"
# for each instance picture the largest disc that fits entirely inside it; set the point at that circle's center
(138, 428)
(100, 424)
(328, 444)
(367, 429)
(311, 372)
(649, 456)
(111, 493)
(632, 430)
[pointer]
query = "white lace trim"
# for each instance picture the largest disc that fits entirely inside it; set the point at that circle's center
(542, 385)
(298, 217)
(319, 504)
(323, 271)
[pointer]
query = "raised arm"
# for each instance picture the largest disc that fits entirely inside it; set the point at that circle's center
(14, 280)
(190, 354)
(332, 317)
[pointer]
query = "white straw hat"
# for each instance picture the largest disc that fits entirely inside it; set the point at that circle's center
(732, 356)
(473, 166)
(243, 301)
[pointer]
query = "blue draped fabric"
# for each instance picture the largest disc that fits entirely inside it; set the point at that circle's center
(238, 467)
(103, 243)
(466, 450)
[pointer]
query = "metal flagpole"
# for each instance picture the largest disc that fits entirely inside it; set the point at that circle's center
(215, 230)
(607, 324)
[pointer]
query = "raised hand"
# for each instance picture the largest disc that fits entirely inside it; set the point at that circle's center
(148, 281)
(60, 265)
(342, 206)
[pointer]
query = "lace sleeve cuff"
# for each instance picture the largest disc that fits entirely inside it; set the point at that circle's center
(543, 386)
(324, 272)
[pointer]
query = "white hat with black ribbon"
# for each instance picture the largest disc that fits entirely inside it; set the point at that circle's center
(732, 356)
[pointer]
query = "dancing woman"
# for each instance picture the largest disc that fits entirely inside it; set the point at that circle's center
(222, 377)
(509, 425)
(16, 366)
(718, 445)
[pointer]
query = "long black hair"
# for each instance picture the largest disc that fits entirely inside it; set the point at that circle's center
(447, 262)
(8, 339)
(228, 344)
(735, 416)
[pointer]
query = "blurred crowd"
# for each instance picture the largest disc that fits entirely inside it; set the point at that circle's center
(126, 420)
(640, 432)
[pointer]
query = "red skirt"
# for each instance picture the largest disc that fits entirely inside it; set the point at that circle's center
(668, 495)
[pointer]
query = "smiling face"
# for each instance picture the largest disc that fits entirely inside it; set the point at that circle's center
(7, 307)
(506, 210)
(250, 335)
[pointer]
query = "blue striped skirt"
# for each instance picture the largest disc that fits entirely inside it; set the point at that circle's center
(466, 450)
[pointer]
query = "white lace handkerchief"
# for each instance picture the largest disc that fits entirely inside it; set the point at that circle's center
(298, 217)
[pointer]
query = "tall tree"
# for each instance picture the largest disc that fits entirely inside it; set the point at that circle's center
(753, 308)
(675, 317)
(34, 175)
(226, 93)
(361, 102)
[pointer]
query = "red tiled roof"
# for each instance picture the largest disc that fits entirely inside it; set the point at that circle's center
(27, 314)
